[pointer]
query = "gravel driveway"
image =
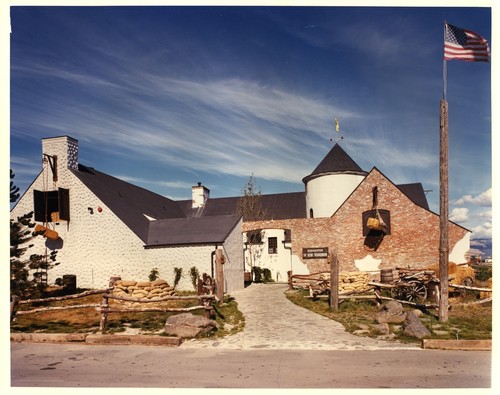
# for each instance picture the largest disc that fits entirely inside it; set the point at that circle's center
(287, 326)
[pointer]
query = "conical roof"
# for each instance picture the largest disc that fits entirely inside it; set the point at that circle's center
(336, 161)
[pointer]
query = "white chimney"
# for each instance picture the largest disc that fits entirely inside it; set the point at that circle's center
(64, 148)
(200, 195)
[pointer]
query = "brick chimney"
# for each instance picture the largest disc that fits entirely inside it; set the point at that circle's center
(200, 195)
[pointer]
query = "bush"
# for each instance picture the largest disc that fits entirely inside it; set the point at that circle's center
(195, 274)
(267, 275)
(257, 274)
(154, 275)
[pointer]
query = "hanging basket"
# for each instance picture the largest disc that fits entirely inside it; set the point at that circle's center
(376, 223)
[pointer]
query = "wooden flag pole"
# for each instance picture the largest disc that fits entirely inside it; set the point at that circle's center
(443, 200)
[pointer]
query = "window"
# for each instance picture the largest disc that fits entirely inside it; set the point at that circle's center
(48, 202)
(311, 213)
(272, 243)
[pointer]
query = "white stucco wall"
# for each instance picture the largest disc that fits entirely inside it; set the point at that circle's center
(97, 246)
(458, 253)
(325, 194)
(279, 263)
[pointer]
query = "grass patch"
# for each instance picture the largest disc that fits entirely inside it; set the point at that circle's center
(469, 322)
(86, 320)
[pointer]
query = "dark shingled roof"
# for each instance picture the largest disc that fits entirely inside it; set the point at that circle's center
(336, 161)
(275, 206)
(127, 201)
(195, 230)
(416, 194)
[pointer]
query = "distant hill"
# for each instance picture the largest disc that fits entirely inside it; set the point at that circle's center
(482, 244)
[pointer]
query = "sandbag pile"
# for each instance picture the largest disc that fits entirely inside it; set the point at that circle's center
(152, 290)
(320, 282)
(353, 281)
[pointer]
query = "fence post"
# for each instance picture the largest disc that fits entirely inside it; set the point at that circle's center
(104, 312)
(219, 274)
(14, 300)
(334, 281)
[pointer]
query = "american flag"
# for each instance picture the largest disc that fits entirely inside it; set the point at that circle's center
(465, 45)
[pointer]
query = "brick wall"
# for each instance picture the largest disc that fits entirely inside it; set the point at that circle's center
(414, 238)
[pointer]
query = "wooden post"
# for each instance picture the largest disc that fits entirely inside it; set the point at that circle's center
(219, 274)
(14, 300)
(443, 212)
(104, 312)
(334, 281)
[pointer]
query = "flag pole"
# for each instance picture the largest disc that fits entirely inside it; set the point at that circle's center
(443, 201)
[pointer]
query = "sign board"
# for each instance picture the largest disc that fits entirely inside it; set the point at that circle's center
(312, 253)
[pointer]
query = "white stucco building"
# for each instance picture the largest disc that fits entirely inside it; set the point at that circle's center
(106, 227)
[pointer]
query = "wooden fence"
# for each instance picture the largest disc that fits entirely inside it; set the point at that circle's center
(205, 297)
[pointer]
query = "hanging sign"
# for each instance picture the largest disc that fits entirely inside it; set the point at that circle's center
(318, 252)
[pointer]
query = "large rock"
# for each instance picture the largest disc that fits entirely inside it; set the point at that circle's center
(414, 327)
(391, 313)
(187, 325)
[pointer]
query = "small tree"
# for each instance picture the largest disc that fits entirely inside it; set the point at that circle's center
(154, 274)
(14, 190)
(21, 233)
(195, 274)
(251, 209)
(177, 275)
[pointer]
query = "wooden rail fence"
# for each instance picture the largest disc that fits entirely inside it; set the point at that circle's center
(205, 298)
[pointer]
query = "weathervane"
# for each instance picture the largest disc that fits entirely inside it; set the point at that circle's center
(337, 129)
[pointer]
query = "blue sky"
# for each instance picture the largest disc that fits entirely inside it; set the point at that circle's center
(165, 97)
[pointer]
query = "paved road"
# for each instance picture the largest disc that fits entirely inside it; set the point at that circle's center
(80, 365)
(273, 322)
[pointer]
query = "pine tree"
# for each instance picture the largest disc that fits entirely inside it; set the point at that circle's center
(21, 233)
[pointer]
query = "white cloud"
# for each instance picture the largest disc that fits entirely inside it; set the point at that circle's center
(483, 199)
(483, 230)
(459, 214)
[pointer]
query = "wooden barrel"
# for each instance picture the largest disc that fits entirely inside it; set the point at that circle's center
(386, 276)
(69, 282)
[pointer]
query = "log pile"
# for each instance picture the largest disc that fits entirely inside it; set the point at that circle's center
(152, 290)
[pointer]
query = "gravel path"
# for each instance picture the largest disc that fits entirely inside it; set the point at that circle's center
(273, 322)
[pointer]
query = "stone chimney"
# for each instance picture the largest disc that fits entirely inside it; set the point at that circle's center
(200, 195)
(64, 148)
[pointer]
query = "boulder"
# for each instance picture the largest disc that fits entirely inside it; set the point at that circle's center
(187, 325)
(414, 327)
(391, 312)
(382, 329)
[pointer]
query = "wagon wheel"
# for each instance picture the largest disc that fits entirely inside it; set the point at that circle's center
(395, 292)
(415, 291)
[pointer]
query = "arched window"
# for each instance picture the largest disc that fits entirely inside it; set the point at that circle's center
(311, 213)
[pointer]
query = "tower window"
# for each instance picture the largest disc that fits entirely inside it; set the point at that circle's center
(311, 213)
